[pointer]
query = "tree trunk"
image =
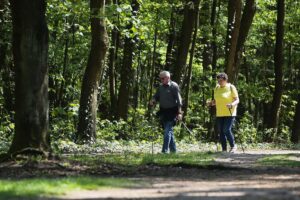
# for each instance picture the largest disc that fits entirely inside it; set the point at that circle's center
(127, 70)
(206, 53)
(233, 28)
(278, 64)
(63, 81)
(137, 82)
(212, 131)
(189, 77)
(296, 125)
(185, 38)
(30, 50)
(214, 46)
(88, 101)
(111, 70)
(152, 71)
(171, 42)
(246, 21)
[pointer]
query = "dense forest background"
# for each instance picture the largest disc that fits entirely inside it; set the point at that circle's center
(84, 71)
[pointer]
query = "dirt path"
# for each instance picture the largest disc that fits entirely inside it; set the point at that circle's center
(240, 178)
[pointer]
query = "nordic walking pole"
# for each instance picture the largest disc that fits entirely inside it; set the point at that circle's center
(237, 137)
(152, 136)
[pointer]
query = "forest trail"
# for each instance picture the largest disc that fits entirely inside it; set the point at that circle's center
(236, 176)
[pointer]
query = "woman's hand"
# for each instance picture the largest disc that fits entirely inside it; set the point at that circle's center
(229, 105)
(210, 103)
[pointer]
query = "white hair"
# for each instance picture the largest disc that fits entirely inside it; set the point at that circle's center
(164, 74)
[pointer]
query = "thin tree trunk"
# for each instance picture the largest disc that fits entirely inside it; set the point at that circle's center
(246, 22)
(214, 23)
(185, 38)
(30, 50)
(112, 62)
(152, 72)
(112, 80)
(278, 65)
(127, 70)
(233, 28)
(63, 81)
(89, 91)
(207, 50)
(137, 82)
(189, 77)
(171, 42)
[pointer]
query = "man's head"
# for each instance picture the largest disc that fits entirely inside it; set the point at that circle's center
(164, 77)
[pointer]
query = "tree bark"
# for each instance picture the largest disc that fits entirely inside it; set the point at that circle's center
(64, 71)
(246, 22)
(127, 70)
(30, 51)
(88, 101)
(185, 38)
(189, 77)
(111, 70)
(152, 71)
(171, 42)
(278, 65)
(233, 29)
(296, 125)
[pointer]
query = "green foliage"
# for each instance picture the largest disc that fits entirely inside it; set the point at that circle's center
(69, 44)
(246, 132)
(6, 133)
(43, 187)
(64, 122)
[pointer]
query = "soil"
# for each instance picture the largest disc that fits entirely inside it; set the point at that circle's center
(234, 176)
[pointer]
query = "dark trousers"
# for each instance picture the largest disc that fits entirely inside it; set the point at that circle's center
(224, 125)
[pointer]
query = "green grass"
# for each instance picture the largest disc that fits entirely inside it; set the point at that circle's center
(32, 188)
(288, 160)
(134, 159)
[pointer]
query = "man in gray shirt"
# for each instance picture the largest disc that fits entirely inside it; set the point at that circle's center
(168, 96)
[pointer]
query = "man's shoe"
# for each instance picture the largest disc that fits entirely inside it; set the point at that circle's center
(233, 149)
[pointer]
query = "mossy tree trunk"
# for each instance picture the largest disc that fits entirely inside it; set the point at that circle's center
(86, 131)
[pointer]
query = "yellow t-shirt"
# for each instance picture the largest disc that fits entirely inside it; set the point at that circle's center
(223, 96)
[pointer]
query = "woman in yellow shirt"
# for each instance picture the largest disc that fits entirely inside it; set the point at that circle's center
(226, 100)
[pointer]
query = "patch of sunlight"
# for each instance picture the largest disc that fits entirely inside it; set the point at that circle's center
(287, 160)
(36, 187)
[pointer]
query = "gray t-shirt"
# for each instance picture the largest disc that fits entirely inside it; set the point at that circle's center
(168, 96)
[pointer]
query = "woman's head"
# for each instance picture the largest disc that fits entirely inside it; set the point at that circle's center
(222, 78)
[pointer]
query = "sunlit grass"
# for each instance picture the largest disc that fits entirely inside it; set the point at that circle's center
(288, 160)
(134, 159)
(30, 188)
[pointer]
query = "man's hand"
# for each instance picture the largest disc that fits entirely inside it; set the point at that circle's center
(152, 102)
(179, 117)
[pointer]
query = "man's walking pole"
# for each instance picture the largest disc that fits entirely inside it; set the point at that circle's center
(152, 127)
(237, 137)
